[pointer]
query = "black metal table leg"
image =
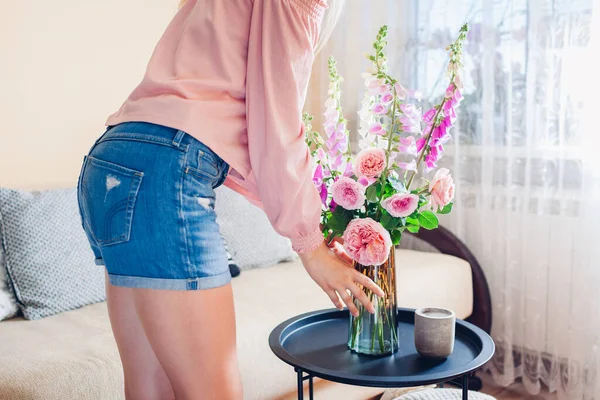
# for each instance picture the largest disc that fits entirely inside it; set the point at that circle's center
(301, 379)
(300, 386)
(465, 387)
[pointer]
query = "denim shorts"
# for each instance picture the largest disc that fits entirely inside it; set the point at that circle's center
(146, 198)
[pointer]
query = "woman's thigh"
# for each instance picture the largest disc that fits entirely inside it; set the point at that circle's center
(144, 376)
(193, 335)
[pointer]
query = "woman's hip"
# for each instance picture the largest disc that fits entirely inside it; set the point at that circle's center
(146, 197)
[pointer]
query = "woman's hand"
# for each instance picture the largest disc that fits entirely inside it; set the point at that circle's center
(332, 271)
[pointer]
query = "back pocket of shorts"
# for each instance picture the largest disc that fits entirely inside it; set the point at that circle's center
(109, 192)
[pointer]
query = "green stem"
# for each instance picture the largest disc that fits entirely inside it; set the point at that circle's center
(381, 321)
(356, 328)
(373, 334)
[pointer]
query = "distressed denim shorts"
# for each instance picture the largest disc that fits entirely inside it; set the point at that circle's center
(146, 198)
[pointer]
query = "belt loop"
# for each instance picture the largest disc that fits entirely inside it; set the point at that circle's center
(178, 138)
(102, 136)
(192, 284)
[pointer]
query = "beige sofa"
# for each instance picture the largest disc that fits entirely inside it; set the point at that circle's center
(73, 355)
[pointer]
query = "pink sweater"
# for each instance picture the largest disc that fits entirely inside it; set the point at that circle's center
(234, 74)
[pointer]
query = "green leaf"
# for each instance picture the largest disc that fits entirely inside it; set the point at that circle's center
(394, 222)
(413, 228)
(372, 194)
(396, 237)
(446, 210)
(412, 221)
(339, 219)
(396, 183)
(428, 220)
(388, 221)
(378, 187)
(385, 219)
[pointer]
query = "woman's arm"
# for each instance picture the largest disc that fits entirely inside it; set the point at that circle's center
(283, 34)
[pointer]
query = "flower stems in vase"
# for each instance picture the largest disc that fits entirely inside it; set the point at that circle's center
(376, 333)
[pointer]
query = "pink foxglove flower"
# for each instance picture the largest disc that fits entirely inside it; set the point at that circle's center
(367, 242)
(408, 166)
(379, 109)
(377, 86)
(365, 181)
(428, 116)
(387, 98)
(349, 169)
(401, 92)
(377, 129)
(407, 145)
(319, 184)
(401, 205)
(369, 162)
(441, 188)
(420, 144)
(348, 193)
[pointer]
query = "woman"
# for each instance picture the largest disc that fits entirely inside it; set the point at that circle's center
(220, 102)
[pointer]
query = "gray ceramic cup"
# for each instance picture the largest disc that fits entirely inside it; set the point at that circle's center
(434, 332)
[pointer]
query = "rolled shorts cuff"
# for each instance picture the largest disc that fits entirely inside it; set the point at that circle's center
(141, 282)
(99, 261)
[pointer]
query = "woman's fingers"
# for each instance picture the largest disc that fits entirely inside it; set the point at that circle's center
(362, 297)
(368, 283)
(341, 253)
(335, 299)
(348, 300)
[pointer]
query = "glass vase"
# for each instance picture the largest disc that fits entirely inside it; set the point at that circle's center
(376, 334)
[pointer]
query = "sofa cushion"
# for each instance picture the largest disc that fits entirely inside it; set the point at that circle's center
(73, 356)
(8, 303)
(250, 238)
(48, 258)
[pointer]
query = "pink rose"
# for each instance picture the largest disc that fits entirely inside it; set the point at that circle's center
(367, 242)
(441, 188)
(401, 205)
(370, 162)
(348, 193)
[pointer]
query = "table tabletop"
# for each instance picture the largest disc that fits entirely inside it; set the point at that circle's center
(316, 343)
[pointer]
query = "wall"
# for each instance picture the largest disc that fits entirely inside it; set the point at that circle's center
(65, 65)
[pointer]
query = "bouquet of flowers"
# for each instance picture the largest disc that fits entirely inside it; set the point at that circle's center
(372, 198)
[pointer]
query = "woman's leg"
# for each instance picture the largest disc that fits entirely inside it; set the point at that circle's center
(145, 378)
(193, 335)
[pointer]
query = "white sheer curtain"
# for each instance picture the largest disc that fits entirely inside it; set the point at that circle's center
(524, 157)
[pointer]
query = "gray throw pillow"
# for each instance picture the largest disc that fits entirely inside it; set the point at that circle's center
(250, 238)
(8, 303)
(48, 258)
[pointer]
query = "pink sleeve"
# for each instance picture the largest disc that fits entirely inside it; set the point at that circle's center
(280, 56)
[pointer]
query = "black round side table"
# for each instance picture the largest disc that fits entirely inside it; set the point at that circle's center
(315, 345)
